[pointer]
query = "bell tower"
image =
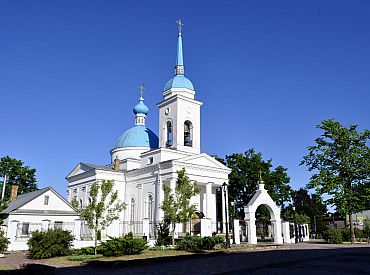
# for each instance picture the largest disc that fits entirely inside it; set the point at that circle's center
(179, 112)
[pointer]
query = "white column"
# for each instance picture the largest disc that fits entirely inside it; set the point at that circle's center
(236, 232)
(77, 230)
(159, 199)
(146, 228)
(45, 225)
(278, 238)
(209, 200)
(252, 237)
(173, 184)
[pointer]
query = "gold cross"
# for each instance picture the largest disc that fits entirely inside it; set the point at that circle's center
(141, 90)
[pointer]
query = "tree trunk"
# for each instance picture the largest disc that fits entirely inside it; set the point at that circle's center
(96, 236)
(173, 233)
(96, 241)
(352, 229)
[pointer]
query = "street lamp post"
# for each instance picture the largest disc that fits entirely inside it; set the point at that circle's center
(224, 185)
(232, 220)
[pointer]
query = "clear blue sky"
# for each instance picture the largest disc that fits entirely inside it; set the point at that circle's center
(267, 72)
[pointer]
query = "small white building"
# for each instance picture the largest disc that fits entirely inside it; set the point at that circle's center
(38, 210)
(141, 163)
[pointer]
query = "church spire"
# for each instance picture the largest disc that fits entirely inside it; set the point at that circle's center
(179, 69)
(140, 110)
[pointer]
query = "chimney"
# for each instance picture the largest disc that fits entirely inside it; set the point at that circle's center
(116, 164)
(13, 192)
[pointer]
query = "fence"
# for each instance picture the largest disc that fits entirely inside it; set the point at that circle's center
(24, 230)
(68, 226)
(86, 233)
(135, 228)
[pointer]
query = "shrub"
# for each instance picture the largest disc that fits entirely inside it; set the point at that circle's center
(84, 257)
(52, 243)
(127, 245)
(3, 242)
(89, 250)
(163, 234)
(333, 236)
(199, 243)
(346, 234)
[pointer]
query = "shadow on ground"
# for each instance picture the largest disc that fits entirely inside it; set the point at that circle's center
(348, 260)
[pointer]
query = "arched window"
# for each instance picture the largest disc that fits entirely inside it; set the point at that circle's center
(169, 134)
(132, 210)
(150, 208)
(81, 204)
(188, 133)
(90, 200)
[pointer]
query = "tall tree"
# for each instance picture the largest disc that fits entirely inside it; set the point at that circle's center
(176, 203)
(243, 179)
(340, 160)
(19, 174)
(307, 204)
(103, 209)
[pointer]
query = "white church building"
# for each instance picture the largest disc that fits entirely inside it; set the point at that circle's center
(142, 162)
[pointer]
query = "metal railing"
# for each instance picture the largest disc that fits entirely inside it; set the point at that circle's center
(136, 228)
(67, 226)
(24, 230)
(86, 233)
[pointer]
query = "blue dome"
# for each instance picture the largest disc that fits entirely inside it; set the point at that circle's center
(137, 136)
(179, 81)
(141, 108)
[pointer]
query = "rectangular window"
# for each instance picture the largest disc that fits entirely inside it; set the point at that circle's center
(58, 225)
(25, 229)
(46, 200)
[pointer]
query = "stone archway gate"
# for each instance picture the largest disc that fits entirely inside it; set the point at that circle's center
(261, 197)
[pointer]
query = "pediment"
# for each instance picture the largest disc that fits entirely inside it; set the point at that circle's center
(203, 160)
(79, 169)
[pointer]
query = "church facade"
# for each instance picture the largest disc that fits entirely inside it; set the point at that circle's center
(142, 162)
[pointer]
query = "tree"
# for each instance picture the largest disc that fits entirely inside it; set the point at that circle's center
(103, 208)
(307, 204)
(340, 160)
(243, 179)
(19, 174)
(176, 203)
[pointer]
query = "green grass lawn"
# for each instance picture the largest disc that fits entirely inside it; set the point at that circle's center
(5, 268)
(145, 255)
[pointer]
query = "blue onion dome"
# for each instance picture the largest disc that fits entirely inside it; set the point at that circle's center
(179, 81)
(138, 136)
(141, 108)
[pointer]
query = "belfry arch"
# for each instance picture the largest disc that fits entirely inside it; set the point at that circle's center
(261, 197)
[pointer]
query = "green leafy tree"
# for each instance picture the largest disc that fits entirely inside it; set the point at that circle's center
(340, 160)
(19, 174)
(243, 179)
(307, 204)
(3, 205)
(103, 209)
(4, 242)
(176, 203)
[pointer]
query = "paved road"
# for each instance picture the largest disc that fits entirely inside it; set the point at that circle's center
(299, 259)
(291, 259)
